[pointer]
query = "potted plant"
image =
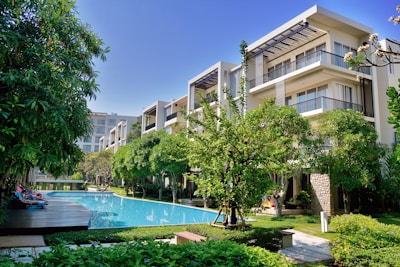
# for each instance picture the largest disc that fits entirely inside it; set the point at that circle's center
(304, 199)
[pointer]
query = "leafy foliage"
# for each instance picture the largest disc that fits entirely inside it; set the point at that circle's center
(237, 154)
(169, 159)
(364, 241)
(46, 76)
(150, 253)
(353, 158)
(97, 164)
(132, 162)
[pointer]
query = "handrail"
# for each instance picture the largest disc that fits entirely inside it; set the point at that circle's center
(326, 103)
(318, 56)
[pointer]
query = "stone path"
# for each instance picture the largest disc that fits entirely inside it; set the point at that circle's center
(307, 249)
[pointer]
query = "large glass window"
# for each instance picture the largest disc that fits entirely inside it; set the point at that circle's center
(346, 93)
(341, 50)
(87, 139)
(288, 101)
(300, 61)
(311, 99)
(87, 148)
(112, 122)
(101, 122)
(286, 66)
(99, 130)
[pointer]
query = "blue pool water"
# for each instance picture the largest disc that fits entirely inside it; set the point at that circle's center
(111, 211)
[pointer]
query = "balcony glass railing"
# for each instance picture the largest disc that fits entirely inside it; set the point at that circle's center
(318, 56)
(172, 116)
(326, 103)
(150, 126)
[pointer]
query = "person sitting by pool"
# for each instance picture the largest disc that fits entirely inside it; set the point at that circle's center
(31, 196)
(28, 202)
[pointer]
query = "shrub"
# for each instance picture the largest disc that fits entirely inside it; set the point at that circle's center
(149, 253)
(364, 241)
(268, 238)
(352, 223)
(255, 236)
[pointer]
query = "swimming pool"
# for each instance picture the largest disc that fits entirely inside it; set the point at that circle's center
(110, 211)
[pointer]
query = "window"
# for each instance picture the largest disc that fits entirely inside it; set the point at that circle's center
(97, 140)
(310, 56)
(87, 139)
(347, 97)
(96, 148)
(311, 99)
(288, 101)
(286, 66)
(112, 122)
(278, 70)
(300, 61)
(99, 130)
(341, 50)
(346, 93)
(87, 148)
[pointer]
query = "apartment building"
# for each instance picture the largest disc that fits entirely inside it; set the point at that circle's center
(117, 136)
(153, 117)
(174, 115)
(301, 64)
(102, 124)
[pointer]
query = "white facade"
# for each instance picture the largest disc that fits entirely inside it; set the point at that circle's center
(153, 117)
(102, 124)
(298, 64)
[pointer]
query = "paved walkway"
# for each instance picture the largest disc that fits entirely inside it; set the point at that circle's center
(305, 249)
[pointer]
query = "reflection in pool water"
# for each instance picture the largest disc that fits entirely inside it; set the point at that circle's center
(111, 211)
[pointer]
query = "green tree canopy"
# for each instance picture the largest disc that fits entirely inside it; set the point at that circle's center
(46, 77)
(133, 163)
(97, 166)
(353, 158)
(237, 154)
(169, 159)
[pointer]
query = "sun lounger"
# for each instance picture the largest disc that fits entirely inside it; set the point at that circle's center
(27, 202)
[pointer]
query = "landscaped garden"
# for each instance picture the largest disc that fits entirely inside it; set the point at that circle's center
(356, 240)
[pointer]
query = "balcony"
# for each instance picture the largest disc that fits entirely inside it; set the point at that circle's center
(150, 126)
(318, 56)
(172, 116)
(324, 104)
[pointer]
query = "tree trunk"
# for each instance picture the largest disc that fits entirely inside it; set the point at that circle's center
(346, 201)
(160, 193)
(233, 215)
(174, 187)
(144, 192)
(278, 207)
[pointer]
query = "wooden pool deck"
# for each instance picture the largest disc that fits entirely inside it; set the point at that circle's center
(58, 216)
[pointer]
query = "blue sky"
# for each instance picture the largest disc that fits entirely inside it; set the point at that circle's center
(157, 46)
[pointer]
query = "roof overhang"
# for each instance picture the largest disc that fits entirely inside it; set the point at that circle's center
(286, 41)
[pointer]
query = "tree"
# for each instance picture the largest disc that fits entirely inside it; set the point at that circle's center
(169, 159)
(119, 167)
(372, 54)
(238, 155)
(136, 130)
(135, 160)
(46, 77)
(353, 158)
(97, 166)
(241, 155)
